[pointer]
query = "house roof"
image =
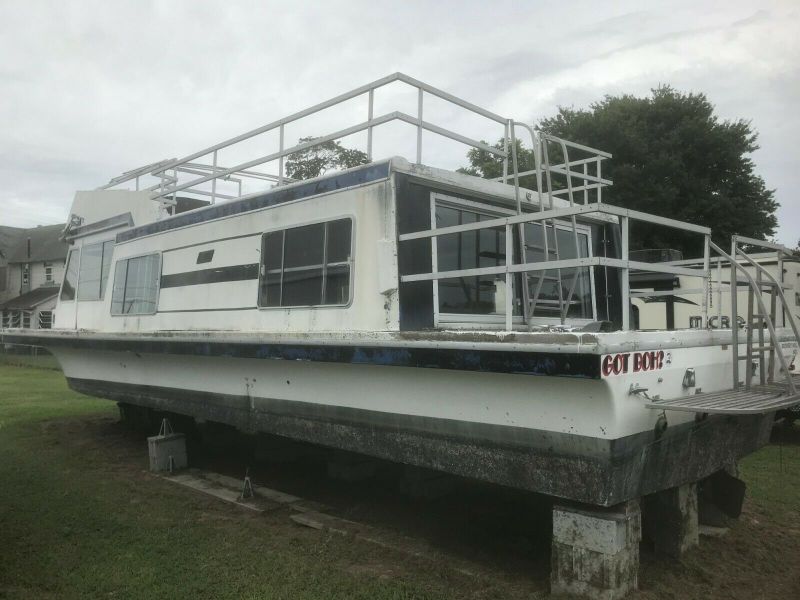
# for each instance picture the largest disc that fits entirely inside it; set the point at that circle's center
(31, 299)
(9, 236)
(45, 245)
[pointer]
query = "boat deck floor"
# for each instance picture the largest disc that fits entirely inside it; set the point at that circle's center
(758, 399)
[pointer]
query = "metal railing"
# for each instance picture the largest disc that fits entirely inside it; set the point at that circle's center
(511, 267)
(169, 172)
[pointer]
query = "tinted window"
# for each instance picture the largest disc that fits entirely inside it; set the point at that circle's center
(135, 290)
(70, 276)
(306, 266)
(95, 265)
(468, 250)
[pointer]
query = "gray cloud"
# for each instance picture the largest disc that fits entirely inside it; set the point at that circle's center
(90, 89)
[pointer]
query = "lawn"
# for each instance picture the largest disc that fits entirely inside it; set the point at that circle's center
(80, 517)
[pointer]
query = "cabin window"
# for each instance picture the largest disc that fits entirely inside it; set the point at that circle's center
(95, 264)
(3, 278)
(307, 266)
(135, 290)
(468, 250)
(482, 298)
(70, 276)
(205, 256)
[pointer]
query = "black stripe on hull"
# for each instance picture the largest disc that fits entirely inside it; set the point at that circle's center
(583, 366)
(612, 471)
(213, 275)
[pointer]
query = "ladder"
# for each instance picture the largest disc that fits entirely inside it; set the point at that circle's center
(544, 184)
(756, 321)
(773, 391)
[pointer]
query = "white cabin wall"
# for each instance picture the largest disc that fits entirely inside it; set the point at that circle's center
(372, 209)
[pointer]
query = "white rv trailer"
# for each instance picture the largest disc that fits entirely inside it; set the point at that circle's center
(414, 313)
(669, 303)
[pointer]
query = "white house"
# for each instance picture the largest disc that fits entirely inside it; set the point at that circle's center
(31, 270)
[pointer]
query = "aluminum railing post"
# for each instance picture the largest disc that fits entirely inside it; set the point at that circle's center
(734, 323)
(280, 158)
(706, 278)
(214, 181)
(626, 288)
(505, 150)
(370, 108)
(419, 126)
(509, 304)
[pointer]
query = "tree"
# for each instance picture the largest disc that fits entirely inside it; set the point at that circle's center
(317, 160)
(672, 156)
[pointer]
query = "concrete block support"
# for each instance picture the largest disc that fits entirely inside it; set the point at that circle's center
(596, 551)
(162, 448)
(670, 520)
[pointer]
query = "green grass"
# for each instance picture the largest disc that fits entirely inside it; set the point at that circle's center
(80, 517)
(76, 524)
(773, 477)
(39, 361)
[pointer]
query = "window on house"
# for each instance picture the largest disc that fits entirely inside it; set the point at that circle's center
(95, 264)
(6, 318)
(48, 273)
(14, 318)
(135, 290)
(45, 319)
(70, 276)
(3, 279)
(26, 319)
(25, 275)
(307, 266)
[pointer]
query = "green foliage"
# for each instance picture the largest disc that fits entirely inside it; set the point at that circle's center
(317, 160)
(672, 156)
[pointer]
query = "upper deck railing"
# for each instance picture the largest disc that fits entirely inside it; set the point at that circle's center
(202, 173)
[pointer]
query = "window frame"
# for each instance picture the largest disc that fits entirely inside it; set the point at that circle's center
(490, 321)
(66, 272)
(158, 284)
(351, 264)
(80, 266)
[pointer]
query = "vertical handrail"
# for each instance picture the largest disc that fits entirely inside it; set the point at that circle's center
(734, 278)
(748, 365)
(706, 279)
(565, 307)
(761, 319)
(778, 287)
(772, 333)
(214, 181)
(509, 300)
(280, 160)
(419, 126)
(549, 178)
(370, 115)
(521, 229)
(772, 301)
(536, 144)
(626, 284)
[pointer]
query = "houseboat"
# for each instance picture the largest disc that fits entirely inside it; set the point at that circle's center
(418, 314)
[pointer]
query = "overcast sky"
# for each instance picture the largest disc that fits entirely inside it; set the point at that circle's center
(90, 89)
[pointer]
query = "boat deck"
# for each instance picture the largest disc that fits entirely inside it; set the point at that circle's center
(758, 399)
